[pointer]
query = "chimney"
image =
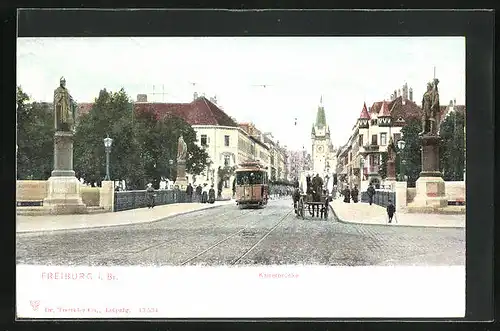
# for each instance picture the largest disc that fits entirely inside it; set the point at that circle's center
(399, 92)
(142, 98)
(195, 95)
(411, 94)
(405, 91)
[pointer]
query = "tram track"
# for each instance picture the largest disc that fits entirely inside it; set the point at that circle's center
(192, 221)
(234, 234)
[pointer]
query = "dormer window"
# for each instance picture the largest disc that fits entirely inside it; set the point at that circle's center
(400, 119)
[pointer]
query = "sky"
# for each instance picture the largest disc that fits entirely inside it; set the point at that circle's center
(267, 81)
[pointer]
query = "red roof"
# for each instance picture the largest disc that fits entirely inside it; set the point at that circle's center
(384, 110)
(364, 113)
(84, 107)
(410, 110)
(199, 112)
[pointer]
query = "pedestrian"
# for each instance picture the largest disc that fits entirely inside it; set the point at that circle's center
(204, 193)
(371, 193)
(150, 196)
(391, 210)
(198, 192)
(189, 193)
(355, 194)
(219, 188)
(234, 187)
(211, 194)
(347, 195)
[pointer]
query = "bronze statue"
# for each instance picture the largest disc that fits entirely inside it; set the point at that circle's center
(64, 108)
(430, 107)
(391, 150)
(181, 150)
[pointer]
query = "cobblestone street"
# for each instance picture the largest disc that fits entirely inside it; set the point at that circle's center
(229, 236)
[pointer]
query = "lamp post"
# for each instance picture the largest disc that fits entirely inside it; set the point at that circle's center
(401, 147)
(107, 145)
(209, 161)
(361, 169)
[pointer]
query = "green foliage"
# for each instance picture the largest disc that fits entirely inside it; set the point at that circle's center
(35, 136)
(412, 152)
(452, 147)
(143, 144)
(110, 115)
(383, 166)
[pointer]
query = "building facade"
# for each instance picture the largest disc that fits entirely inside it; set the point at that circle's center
(360, 159)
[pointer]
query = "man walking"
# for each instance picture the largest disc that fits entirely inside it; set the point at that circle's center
(189, 193)
(371, 192)
(391, 210)
(355, 194)
(198, 192)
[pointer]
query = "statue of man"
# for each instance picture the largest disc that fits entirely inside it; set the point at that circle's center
(391, 150)
(435, 108)
(181, 149)
(426, 107)
(64, 108)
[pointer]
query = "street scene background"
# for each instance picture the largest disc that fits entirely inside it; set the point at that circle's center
(346, 109)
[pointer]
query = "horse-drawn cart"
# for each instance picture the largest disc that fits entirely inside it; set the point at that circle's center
(314, 205)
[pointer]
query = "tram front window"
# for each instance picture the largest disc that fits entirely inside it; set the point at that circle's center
(249, 178)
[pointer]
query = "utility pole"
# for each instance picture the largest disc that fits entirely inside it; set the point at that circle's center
(162, 93)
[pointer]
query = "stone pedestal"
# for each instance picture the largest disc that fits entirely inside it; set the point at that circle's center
(430, 186)
(63, 188)
(430, 193)
(401, 189)
(391, 171)
(181, 181)
(430, 156)
(107, 195)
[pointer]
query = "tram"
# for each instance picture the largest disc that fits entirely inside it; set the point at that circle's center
(252, 185)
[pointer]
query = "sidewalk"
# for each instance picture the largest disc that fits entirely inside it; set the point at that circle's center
(363, 213)
(135, 216)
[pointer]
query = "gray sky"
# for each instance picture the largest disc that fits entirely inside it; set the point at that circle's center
(347, 71)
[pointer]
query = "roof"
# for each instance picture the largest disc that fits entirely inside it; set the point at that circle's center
(364, 112)
(410, 110)
(84, 107)
(199, 112)
(321, 117)
(384, 110)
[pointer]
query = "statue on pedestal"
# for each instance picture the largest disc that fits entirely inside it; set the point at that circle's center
(391, 150)
(64, 108)
(181, 150)
(430, 107)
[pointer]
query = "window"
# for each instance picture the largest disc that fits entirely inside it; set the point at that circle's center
(227, 161)
(397, 137)
(360, 143)
(383, 139)
(373, 122)
(226, 141)
(204, 140)
(374, 139)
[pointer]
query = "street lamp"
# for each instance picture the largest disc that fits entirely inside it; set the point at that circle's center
(107, 146)
(401, 147)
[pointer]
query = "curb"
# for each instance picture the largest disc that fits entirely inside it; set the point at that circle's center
(338, 219)
(119, 225)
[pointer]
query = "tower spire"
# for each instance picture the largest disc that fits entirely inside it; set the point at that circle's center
(321, 100)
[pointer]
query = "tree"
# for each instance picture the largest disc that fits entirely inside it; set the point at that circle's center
(412, 151)
(158, 139)
(35, 138)
(383, 166)
(111, 114)
(452, 146)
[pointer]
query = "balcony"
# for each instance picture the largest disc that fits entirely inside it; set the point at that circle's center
(371, 148)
